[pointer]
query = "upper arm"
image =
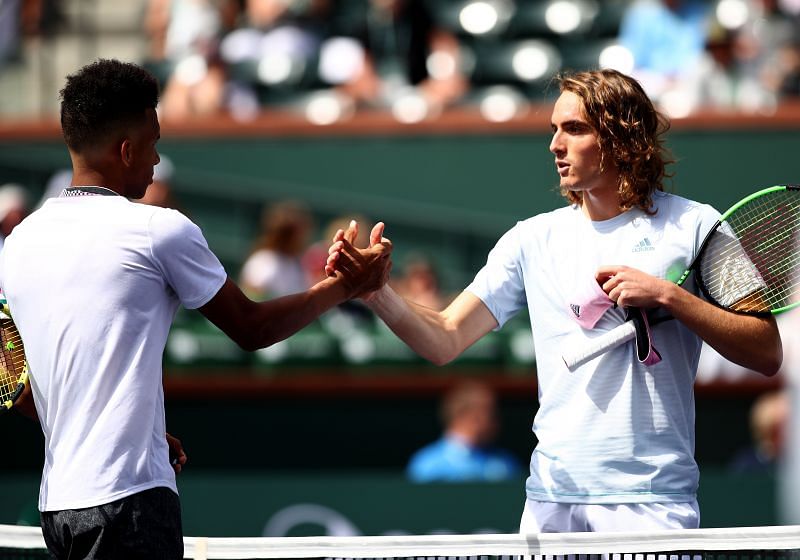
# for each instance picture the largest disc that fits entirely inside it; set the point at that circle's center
(228, 310)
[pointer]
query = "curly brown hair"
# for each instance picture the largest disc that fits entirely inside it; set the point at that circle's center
(629, 133)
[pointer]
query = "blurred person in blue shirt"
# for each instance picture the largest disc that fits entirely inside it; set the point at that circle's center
(465, 452)
(667, 39)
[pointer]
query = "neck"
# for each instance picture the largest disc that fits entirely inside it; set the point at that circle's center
(600, 206)
(91, 170)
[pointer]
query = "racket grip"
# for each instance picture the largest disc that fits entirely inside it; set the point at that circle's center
(600, 345)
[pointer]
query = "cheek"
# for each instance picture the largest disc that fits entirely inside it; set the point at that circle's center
(590, 158)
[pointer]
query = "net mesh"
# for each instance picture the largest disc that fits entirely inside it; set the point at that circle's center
(751, 261)
(740, 543)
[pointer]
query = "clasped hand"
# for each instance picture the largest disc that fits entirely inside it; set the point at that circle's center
(364, 270)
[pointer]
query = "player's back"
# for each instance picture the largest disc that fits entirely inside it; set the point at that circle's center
(93, 304)
(80, 273)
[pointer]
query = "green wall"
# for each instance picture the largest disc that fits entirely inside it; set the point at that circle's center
(246, 504)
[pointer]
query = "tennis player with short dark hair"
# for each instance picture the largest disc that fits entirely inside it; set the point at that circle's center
(95, 280)
(615, 436)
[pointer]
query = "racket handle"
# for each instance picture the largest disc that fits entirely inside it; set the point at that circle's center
(600, 345)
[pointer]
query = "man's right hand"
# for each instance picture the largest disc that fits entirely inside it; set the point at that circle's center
(363, 271)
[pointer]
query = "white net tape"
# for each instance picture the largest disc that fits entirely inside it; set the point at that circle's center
(783, 538)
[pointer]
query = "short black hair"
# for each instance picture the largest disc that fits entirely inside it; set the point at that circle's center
(102, 99)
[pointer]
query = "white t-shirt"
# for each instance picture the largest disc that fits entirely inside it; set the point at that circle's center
(93, 283)
(613, 430)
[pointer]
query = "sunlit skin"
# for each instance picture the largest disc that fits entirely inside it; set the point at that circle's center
(577, 159)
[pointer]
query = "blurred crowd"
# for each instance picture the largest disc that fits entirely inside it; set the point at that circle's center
(329, 59)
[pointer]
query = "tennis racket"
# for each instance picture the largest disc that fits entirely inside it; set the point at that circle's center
(748, 263)
(13, 366)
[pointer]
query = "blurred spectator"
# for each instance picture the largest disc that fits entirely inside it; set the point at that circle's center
(275, 266)
(790, 63)
(184, 43)
(419, 282)
(275, 46)
(31, 18)
(667, 39)
(398, 58)
(14, 206)
(10, 24)
(759, 59)
(769, 416)
(465, 453)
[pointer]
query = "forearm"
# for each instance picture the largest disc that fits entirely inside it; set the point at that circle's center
(277, 319)
(253, 325)
(437, 336)
(750, 341)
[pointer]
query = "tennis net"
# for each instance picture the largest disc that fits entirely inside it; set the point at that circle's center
(739, 543)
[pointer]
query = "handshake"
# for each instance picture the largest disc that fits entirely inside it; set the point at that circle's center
(362, 271)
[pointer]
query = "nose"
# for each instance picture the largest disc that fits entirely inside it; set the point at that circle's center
(556, 145)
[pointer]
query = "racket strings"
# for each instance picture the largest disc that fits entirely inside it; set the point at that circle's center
(12, 359)
(752, 262)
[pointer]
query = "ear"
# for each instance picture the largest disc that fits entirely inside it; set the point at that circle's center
(126, 152)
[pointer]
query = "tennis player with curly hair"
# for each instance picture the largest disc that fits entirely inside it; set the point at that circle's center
(615, 436)
(95, 280)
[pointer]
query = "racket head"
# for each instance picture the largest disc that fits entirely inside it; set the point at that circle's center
(749, 262)
(13, 365)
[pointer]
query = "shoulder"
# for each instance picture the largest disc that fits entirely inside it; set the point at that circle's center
(674, 205)
(168, 222)
(541, 223)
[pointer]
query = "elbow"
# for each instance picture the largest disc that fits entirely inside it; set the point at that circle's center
(440, 360)
(250, 341)
(248, 345)
(773, 365)
(442, 356)
(445, 349)
(771, 359)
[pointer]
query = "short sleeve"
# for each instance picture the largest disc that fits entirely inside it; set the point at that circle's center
(183, 255)
(500, 283)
